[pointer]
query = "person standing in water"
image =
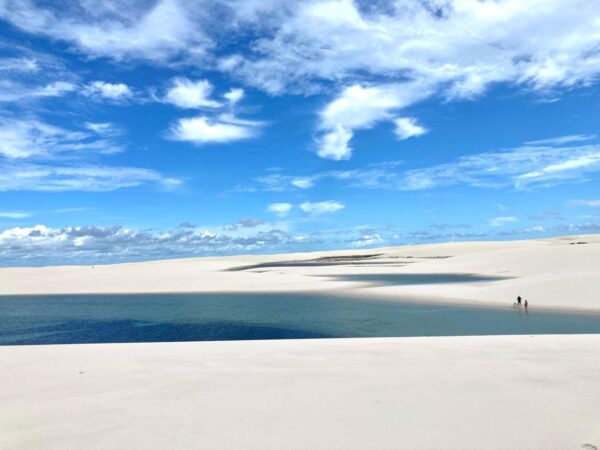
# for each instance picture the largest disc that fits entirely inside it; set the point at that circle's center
(526, 304)
(519, 300)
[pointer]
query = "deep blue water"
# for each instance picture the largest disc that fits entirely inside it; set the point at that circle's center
(208, 317)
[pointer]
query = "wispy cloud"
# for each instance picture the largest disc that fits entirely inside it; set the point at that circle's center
(527, 166)
(589, 203)
(29, 138)
(501, 221)
(281, 209)
(561, 140)
(11, 92)
(14, 215)
(19, 176)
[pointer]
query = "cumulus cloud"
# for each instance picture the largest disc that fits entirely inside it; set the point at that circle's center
(109, 91)
(358, 107)
(334, 144)
(319, 208)
(216, 126)
(89, 244)
(281, 209)
(407, 127)
(204, 130)
(185, 93)
(92, 244)
(234, 95)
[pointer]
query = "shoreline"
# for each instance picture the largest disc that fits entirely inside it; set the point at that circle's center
(343, 293)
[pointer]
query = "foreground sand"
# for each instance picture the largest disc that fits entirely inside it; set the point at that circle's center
(561, 272)
(504, 392)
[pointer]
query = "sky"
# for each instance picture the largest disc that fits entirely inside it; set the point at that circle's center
(137, 130)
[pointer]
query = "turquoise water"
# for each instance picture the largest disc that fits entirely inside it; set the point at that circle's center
(208, 317)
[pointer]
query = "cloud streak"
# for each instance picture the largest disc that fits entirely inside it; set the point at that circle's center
(522, 167)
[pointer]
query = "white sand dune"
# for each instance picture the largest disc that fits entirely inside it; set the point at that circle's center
(509, 392)
(554, 273)
(504, 392)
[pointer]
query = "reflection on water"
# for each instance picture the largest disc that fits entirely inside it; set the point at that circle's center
(203, 317)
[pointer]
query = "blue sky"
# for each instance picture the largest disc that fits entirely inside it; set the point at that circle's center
(159, 129)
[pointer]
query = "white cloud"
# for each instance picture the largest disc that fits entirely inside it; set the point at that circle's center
(303, 182)
(96, 244)
(373, 176)
(158, 31)
(501, 221)
(12, 91)
(14, 214)
(334, 144)
(103, 128)
(589, 203)
(560, 140)
(27, 138)
(522, 167)
(21, 64)
(407, 127)
(281, 209)
(92, 178)
(110, 91)
(358, 107)
(203, 130)
(234, 95)
(185, 93)
(319, 208)
(462, 46)
(367, 240)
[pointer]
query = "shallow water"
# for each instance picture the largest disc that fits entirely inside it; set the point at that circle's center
(207, 317)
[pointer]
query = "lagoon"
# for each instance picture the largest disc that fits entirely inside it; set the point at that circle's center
(69, 319)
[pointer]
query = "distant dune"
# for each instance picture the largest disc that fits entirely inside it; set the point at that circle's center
(561, 272)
